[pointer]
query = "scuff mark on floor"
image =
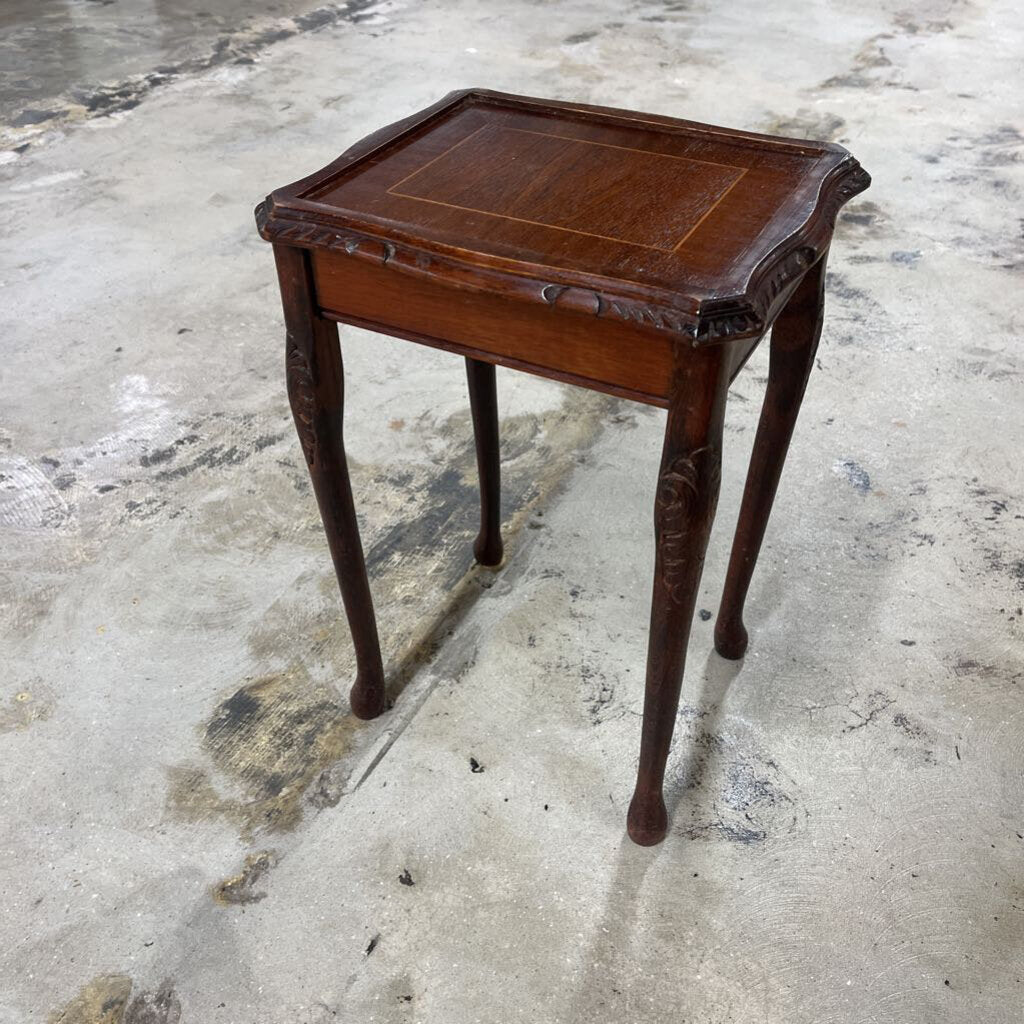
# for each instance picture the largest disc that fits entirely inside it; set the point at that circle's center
(730, 789)
(29, 499)
(853, 472)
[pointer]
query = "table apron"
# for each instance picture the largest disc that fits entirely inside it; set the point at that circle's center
(603, 355)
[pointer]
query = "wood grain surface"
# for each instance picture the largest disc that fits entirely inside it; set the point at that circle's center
(684, 228)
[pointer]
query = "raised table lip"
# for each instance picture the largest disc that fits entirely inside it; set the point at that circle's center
(286, 216)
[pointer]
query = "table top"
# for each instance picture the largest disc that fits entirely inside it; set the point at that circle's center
(675, 225)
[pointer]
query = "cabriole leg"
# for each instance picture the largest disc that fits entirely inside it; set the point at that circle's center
(684, 509)
(793, 345)
(483, 401)
(316, 393)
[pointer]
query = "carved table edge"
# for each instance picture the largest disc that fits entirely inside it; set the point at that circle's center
(774, 277)
(279, 227)
(714, 321)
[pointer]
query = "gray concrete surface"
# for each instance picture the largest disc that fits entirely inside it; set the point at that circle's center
(192, 826)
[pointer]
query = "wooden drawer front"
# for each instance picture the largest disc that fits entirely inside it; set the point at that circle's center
(601, 354)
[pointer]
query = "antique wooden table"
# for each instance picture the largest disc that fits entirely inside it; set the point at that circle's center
(634, 254)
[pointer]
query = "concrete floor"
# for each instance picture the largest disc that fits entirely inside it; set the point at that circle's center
(195, 829)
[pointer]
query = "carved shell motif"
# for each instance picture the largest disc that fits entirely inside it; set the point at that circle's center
(302, 398)
(679, 488)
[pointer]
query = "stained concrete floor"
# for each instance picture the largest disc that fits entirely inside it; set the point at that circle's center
(194, 828)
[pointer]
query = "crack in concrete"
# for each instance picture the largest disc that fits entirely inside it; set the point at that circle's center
(877, 702)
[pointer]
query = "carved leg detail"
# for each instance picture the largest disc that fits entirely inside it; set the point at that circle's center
(316, 393)
(793, 345)
(684, 509)
(483, 402)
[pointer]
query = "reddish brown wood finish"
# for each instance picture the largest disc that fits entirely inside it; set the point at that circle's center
(599, 354)
(794, 343)
(745, 214)
(684, 508)
(629, 253)
(316, 392)
(483, 402)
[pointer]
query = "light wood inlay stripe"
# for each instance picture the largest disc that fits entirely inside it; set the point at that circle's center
(393, 190)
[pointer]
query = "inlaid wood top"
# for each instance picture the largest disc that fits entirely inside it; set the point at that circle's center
(631, 196)
(676, 225)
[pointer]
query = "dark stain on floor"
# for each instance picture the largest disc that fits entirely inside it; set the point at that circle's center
(991, 521)
(160, 1007)
(100, 1001)
(105, 1000)
(273, 737)
(580, 37)
(999, 561)
(906, 257)
(978, 164)
(597, 689)
(241, 888)
(166, 454)
(840, 288)
(865, 66)
(909, 727)
(446, 507)
(855, 474)
(813, 125)
(242, 47)
(211, 458)
(435, 534)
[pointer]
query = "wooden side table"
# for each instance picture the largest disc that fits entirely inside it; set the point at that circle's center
(634, 254)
